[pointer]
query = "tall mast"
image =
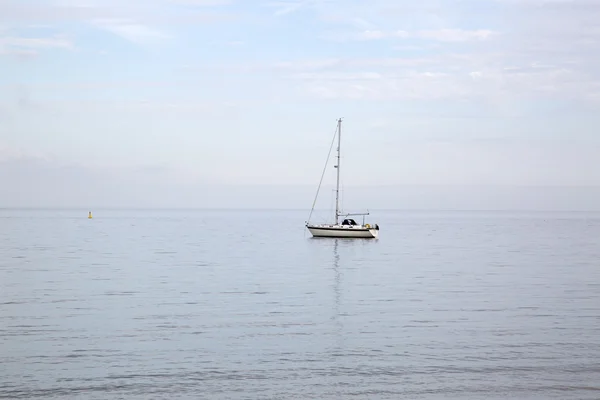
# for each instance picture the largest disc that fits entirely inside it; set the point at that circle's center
(337, 188)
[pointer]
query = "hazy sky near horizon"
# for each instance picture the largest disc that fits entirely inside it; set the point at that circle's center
(196, 92)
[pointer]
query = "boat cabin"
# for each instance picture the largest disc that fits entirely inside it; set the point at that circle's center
(349, 221)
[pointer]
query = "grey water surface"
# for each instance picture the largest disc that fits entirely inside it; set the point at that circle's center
(245, 305)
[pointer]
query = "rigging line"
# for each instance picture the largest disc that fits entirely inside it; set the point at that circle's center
(322, 175)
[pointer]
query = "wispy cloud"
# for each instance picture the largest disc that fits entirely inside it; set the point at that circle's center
(13, 12)
(287, 7)
(447, 77)
(441, 35)
(29, 47)
(140, 22)
(36, 43)
(456, 35)
(304, 65)
(132, 31)
(150, 13)
(489, 75)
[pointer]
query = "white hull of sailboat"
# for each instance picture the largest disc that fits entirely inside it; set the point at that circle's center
(333, 231)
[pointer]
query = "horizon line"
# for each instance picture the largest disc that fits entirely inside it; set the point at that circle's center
(371, 210)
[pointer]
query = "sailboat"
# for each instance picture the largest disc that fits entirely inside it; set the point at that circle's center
(348, 228)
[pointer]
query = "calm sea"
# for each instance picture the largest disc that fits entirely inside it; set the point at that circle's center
(245, 305)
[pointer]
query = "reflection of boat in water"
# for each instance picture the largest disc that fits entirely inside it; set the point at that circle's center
(335, 318)
(336, 270)
(348, 228)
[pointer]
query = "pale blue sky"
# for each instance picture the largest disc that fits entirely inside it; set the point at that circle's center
(191, 93)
